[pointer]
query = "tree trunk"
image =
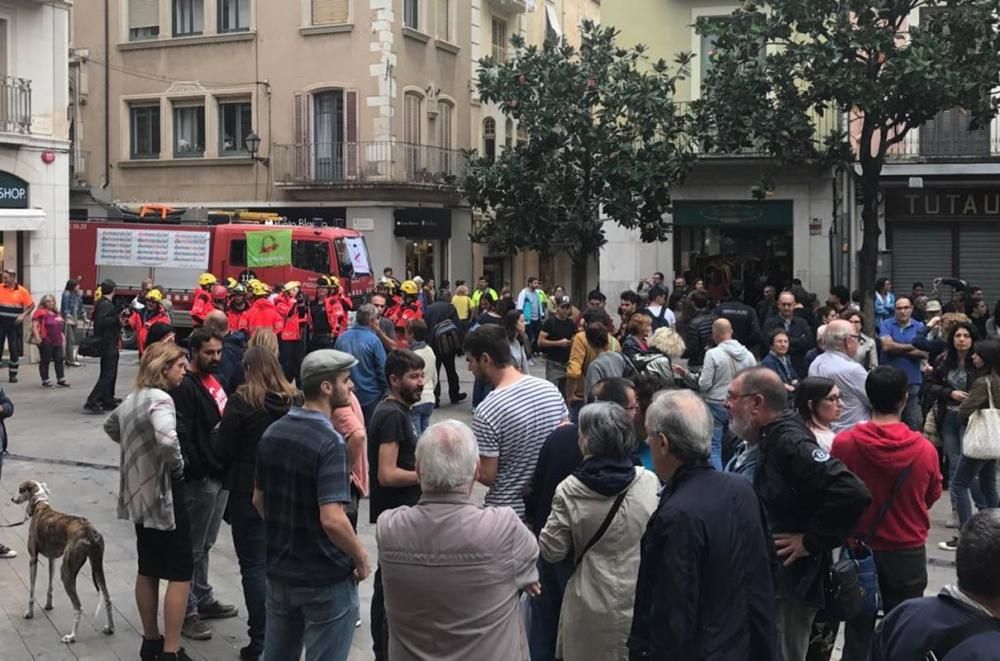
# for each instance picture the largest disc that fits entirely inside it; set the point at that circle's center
(868, 257)
(578, 272)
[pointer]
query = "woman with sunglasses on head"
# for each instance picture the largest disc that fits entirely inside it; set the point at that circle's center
(818, 402)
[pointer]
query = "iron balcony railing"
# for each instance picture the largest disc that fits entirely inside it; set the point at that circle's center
(318, 163)
(948, 137)
(15, 105)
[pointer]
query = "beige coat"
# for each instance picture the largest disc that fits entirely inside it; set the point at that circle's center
(597, 606)
(452, 572)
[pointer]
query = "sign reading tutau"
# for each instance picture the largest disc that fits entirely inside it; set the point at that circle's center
(942, 204)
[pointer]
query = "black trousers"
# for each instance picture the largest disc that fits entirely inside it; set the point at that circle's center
(50, 354)
(454, 388)
(104, 390)
(290, 354)
(380, 623)
(11, 334)
(902, 575)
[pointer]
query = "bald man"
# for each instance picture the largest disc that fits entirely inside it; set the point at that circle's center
(840, 343)
(722, 364)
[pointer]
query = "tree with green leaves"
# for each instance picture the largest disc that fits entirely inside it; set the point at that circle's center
(777, 69)
(605, 140)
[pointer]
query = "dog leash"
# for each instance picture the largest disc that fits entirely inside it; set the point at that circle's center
(14, 525)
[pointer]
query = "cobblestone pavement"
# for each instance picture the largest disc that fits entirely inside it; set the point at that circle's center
(53, 441)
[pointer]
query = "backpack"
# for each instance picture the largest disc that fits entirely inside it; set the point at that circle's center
(447, 338)
(659, 321)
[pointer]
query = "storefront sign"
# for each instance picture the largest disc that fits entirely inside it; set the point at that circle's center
(13, 192)
(423, 223)
(127, 247)
(721, 213)
(941, 204)
(271, 247)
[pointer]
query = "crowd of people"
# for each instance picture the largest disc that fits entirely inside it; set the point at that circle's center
(691, 479)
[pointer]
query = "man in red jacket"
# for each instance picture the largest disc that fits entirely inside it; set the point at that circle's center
(898, 463)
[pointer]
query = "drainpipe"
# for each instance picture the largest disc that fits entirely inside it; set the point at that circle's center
(107, 94)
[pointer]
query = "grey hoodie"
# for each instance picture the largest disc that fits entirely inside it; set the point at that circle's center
(721, 365)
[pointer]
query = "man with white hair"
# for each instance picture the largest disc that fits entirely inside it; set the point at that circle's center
(453, 571)
(840, 344)
(693, 600)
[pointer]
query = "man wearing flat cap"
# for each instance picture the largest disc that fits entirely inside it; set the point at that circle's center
(303, 484)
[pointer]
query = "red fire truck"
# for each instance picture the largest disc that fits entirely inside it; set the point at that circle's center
(174, 253)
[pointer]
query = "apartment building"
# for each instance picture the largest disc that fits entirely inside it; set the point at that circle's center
(34, 142)
(720, 231)
(494, 22)
(345, 112)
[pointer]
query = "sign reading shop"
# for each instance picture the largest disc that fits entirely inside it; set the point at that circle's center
(13, 192)
(943, 204)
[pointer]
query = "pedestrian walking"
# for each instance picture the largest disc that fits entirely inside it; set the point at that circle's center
(150, 495)
(263, 399)
(900, 468)
(200, 402)
(16, 305)
(840, 345)
(107, 327)
(530, 301)
(47, 335)
(430, 554)
(812, 501)
(598, 516)
(689, 570)
(302, 487)
(6, 410)
(555, 340)
(898, 334)
(444, 336)
(368, 374)
(392, 460)
(71, 308)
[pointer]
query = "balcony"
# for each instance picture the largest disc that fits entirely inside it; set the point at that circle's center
(364, 164)
(15, 105)
(948, 137)
(78, 168)
(509, 6)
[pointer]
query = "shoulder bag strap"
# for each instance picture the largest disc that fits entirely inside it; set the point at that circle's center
(888, 501)
(604, 525)
(989, 389)
(952, 637)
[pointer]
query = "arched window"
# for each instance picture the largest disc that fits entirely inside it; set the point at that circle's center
(490, 138)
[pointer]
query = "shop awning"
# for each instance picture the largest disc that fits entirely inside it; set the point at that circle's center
(747, 214)
(23, 220)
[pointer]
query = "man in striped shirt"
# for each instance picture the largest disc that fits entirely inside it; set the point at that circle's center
(15, 305)
(514, 420)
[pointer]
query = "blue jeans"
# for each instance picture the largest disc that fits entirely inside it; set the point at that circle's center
(912, 415)
(544, 624)
(720, 418)
(961, 482)
(421, 416)
(251, 551)
(479, 391)
(319, 618)
(951, 429)
(206, 503)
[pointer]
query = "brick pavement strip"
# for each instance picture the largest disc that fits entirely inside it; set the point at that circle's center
(52, 441)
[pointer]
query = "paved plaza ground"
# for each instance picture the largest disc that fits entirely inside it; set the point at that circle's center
(52, 441)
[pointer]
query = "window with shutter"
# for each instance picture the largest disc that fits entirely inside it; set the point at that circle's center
(143, 19)
(499, 40)
(328, 12)
(411, 14)
(444, 20)
(949, 134)
(351, 146)
(445, 113)
(411, 132)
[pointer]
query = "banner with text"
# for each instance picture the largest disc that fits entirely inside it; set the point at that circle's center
(156, 248)
(271, 247)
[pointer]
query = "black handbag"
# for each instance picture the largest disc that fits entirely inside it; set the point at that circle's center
(91, 346)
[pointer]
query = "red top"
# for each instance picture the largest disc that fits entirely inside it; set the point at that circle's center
(202, 305)
(141, 327)
(237, 319)
(336, 306)
(262, 314)
(291, 322)
(877, 454)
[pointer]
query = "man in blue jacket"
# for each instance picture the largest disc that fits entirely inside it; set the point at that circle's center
(963, 621)
(705, 589)
(362, 342)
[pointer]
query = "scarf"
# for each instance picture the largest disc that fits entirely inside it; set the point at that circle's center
(606, 476)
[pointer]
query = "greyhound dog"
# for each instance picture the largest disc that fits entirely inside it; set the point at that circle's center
(53, 534)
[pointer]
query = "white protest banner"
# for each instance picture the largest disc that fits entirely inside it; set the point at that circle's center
(155, 248)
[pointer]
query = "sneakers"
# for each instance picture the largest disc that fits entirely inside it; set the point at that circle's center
(179, 655)
(217, 611)
(47, 384)
(459, 397)
(62, 384)
(7, 552)
(950, 545)
(151, 649)
(194, 629)
(249, 653)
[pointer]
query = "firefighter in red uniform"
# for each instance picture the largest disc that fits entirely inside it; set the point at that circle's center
(337, 305)
(407, 309)
(237, 309)
(203, 304)
(294, 310)
(262, 313)
(151, 313)
(219, 296)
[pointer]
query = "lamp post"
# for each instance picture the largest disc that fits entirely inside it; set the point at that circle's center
(252, 144)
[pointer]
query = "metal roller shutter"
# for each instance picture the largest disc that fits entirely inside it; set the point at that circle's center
(920, 253)
(979, 262)
(143, 13)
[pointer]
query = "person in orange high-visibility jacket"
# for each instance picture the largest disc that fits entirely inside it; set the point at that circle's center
(152, 313)
(262, 313)
(294, 310)
(337, 304)
(203, 303)
(237, 309)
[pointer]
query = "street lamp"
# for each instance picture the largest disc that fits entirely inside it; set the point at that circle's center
(252, 144)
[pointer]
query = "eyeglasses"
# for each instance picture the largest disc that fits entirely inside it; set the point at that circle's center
(833, 398)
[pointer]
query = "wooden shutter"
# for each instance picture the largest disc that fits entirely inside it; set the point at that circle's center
(143, 13)
(301, 149)
(325, 12)
(351, 146)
